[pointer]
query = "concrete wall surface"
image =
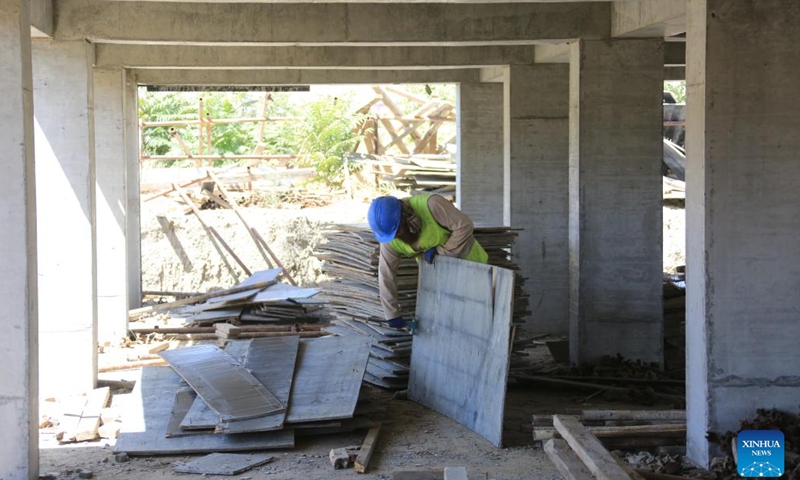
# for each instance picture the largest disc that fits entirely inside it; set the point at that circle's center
(480, 149)
(65, 183)
(742, 214)
(19, 453)
(615, 200)
(537, 104)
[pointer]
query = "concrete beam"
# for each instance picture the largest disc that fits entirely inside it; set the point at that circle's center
(300, 77)
(249, 57)
(647, 19)
(674, 73)
(19, 392)
(325, 24)
(495, 74)
(674, 54)
(41, 18)
(552, 53)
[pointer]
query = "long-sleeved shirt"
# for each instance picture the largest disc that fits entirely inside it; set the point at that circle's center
(458, 245)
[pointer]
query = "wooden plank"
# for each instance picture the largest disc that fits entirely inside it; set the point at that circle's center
(418, 475)
(455, 473)
(145, 426)
(328, 378)
(228, 389)
(367, 448)
(272, 361)
(81, 419)
(459, 363)
(223, 463)
(566, 461)
(589, 449)
(135, 313)
(643, 415)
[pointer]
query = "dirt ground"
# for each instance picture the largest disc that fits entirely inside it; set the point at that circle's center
(178, 256)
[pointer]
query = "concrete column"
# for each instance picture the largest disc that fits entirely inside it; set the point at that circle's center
(479, 191)
(65, 216)
(743, 80)
(19, 451)
(615, 199)
(133, 236)
(537, 104)
(111, 204)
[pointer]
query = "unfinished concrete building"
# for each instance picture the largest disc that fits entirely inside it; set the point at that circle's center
(564, 100)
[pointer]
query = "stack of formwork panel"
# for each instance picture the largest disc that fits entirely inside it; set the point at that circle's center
(350, 259)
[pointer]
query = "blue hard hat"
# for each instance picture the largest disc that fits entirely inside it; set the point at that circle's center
(384, 218)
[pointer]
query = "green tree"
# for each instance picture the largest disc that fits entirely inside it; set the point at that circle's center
(326, 134)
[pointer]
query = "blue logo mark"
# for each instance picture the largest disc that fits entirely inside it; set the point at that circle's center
(760, 453)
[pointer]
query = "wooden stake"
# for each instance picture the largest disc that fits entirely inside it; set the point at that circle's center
(256, 236)
(365, 454)
(211, 229)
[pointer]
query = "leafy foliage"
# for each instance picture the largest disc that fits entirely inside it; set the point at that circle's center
(327, 133)
(677, 89)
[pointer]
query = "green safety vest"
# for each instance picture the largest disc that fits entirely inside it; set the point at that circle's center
(432, 234)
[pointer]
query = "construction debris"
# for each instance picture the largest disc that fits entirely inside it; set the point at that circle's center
(343, 457)
(765, 419)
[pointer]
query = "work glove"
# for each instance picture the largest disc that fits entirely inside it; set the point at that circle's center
(397, 322)
(429, 254)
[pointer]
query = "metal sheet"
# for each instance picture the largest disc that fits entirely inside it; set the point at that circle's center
(228, 389)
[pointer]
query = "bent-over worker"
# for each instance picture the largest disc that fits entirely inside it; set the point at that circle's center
(420, 226)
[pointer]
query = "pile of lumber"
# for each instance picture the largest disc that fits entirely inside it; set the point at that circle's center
(621, 428)
(350, 257)
(580, 452)
(256, 394)
(261, 298)
(417, 174)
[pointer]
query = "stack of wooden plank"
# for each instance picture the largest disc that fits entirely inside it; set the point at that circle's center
(276, 302)
(350, 258)
(622, 428)
(389, 354)
(418, 173)
(256, 394)
(579, 454)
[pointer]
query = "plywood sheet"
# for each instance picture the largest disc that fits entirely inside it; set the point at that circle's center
(223, 463)
(459, 363)
(145, 427)
(328, 378)
(228, 389)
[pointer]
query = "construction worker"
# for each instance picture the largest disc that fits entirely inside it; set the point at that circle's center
(420, 226)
